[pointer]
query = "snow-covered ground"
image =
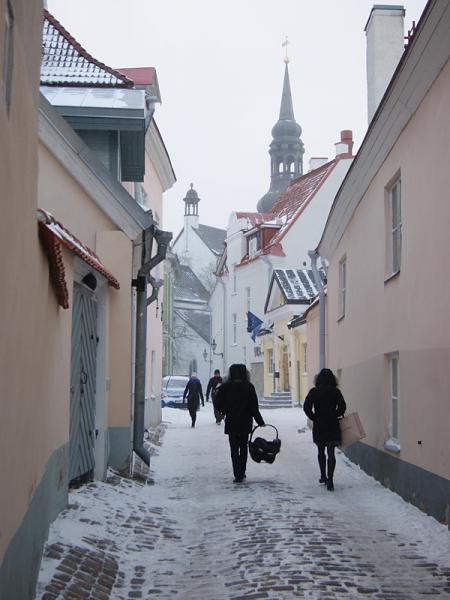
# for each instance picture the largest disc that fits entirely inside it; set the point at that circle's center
(194, 534)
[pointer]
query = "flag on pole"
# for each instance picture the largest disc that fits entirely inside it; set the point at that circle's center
(253, 325)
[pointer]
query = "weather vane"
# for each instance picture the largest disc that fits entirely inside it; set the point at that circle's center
(285, 45)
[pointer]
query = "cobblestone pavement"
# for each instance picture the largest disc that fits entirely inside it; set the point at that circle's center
(194, 534)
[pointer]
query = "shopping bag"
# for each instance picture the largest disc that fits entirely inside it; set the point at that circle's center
(351, 429)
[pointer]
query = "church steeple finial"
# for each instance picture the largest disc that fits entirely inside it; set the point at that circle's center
(286, 149)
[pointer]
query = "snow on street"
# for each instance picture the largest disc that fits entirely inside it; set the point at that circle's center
(194, 534)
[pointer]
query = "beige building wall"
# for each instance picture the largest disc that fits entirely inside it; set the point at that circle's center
(154, 190)
(34, 374)
(408, 314)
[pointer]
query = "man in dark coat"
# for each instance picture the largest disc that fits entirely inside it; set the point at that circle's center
(212, 388)
(194, 393)
(237, 401)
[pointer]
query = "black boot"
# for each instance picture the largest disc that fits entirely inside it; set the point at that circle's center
(330, 485)
(322, 465)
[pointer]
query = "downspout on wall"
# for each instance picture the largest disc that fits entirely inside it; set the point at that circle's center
(313, 255)
(162, 239)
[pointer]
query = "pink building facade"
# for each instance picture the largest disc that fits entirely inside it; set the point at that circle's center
(387, 242)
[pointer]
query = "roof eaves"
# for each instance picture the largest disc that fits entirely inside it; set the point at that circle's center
(66, 146)
(79, 48)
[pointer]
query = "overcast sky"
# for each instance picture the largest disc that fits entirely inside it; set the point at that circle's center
(220, 69)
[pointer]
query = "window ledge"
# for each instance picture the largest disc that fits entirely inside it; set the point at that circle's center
(392, 276)
(392, 445)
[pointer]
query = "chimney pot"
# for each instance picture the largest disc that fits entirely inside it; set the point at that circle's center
(385, 45)
(344, 148)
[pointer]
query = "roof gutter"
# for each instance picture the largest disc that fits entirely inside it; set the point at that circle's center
(162, 239)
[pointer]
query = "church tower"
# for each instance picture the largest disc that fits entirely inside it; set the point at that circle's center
(286, 149)
(191, 201)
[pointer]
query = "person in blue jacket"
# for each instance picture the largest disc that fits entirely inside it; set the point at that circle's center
(194, 394)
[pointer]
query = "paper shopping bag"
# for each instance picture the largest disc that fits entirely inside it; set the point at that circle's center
(351, 429)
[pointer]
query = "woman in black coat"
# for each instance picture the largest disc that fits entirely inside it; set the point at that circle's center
(237, 401)
(194, 393)
(324, 404)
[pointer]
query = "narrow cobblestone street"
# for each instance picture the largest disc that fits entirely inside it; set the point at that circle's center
(194, 534)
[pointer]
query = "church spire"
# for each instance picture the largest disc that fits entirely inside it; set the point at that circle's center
(286, 108)
(286, 149)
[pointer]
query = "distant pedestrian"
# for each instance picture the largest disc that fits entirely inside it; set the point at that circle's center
(213, 386)
(236, 399)
(194, 394)
(324, 404)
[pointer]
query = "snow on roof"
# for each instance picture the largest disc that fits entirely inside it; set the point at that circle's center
(213, 237)
(66, 62)
(53, 234)
(297, 285)
(290, 205)
(255, 218)
(187, 286)
(198, 320)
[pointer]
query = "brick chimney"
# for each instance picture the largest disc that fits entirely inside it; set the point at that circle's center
(385, 45)
(344, 148)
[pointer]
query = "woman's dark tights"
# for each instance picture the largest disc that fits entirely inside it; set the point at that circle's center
(326, 466)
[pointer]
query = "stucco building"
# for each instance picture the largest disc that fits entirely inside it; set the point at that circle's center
(259, 243)
(387, 243)
(86, 248)
(188, 283)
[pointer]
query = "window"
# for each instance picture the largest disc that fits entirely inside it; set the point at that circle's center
(248, 292)
(8, 54)
(270, 362)
(234, 280)
(234, 325)
(394, 229)
(342, 286)
(304, 357)
(393, 442)
(253, 244)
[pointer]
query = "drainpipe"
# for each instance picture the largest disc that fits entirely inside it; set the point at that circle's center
(162, 238)
(224, 330)
(313, 255)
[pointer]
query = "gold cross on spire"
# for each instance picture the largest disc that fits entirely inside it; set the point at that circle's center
(285, 45)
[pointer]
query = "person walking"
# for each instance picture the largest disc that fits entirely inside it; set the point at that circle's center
(324, 404)
(236, 399)
(194, 393)
(212, 387)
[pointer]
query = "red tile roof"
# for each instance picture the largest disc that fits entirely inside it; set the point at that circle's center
(140, 75)
(53, 234)
(290, 206)
(66, 62)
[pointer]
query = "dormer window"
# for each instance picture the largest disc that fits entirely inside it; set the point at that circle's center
(253, 245)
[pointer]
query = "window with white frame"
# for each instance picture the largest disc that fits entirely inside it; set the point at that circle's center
(394, 228)
(234, 327)
(252, 245)
(342, 286)
(7, 54)
(393, 442)
(270, 361)
(248, 292)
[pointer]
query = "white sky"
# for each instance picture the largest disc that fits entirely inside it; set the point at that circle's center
(220, 70)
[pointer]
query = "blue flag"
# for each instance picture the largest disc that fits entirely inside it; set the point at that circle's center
(253, 325)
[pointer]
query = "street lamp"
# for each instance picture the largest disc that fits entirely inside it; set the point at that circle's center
(214, 346)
